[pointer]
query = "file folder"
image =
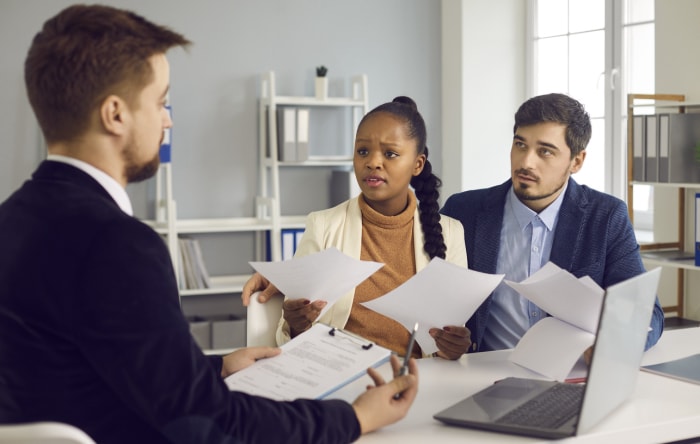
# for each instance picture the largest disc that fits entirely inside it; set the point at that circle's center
(651, 153)
(287, 134)
(697, 229)
(663, 121)
(638, 135)
(302, 134)
(678, 135)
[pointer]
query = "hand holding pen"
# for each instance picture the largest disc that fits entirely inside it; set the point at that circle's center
(409, 351)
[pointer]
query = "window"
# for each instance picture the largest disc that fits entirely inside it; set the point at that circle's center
(596, 51)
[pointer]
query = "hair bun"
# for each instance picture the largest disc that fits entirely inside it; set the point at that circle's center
(406, 101)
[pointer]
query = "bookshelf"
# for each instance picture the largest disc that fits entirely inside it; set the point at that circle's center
(269, 149)
(676, 254)
(267, 223)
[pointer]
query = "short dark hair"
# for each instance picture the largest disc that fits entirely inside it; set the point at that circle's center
(84, 54)
(558, 108)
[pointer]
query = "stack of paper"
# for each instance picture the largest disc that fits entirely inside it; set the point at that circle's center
(553, 345)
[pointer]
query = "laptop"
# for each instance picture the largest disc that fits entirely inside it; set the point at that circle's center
(550, 409)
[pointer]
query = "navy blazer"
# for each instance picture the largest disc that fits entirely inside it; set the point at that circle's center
(92, 334)
(593, 237)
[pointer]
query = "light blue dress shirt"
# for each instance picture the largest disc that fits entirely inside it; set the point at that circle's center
(526, 243)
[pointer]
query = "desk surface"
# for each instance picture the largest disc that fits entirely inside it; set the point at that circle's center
(661, 409)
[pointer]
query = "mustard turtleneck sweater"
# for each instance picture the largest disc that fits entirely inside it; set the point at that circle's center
(389, 240)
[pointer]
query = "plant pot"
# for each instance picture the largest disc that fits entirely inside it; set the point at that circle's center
(321, 88)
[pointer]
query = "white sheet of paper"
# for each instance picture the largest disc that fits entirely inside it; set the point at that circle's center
(326, 275)
(551, 347)
(441, 294)
(312, 365)
(563, 296)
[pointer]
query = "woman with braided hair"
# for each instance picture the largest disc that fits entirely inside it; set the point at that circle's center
(386, 223)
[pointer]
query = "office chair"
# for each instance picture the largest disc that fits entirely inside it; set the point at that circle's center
(43, 433)
(262, 321)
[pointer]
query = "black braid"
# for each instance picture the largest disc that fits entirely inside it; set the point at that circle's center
(426, 184)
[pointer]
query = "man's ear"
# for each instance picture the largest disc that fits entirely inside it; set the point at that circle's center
(577, 162)
(114, 115)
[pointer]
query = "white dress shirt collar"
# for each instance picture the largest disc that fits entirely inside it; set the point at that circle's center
(115, 190)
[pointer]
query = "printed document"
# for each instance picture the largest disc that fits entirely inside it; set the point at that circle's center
(441, 294)
(312, 365)
(552, 346)
(326, 275)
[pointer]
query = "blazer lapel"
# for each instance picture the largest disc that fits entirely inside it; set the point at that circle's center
(487, 232)
(572, 214)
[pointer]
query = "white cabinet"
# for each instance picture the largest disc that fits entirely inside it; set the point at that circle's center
(268, 202)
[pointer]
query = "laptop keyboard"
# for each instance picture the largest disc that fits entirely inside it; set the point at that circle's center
(550, 409)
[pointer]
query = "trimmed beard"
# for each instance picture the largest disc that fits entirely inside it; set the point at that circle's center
(137, 173)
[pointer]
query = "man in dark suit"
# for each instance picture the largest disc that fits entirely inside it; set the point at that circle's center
(91, 331)
(541, 214)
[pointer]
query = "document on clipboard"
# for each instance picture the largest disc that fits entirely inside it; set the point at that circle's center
(312, 365)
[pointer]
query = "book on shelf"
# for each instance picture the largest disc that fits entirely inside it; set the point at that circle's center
(194, 271)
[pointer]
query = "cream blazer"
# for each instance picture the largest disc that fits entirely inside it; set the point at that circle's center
(341, 227)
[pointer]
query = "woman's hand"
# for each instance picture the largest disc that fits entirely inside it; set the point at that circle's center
(452, 341)
(300, 314)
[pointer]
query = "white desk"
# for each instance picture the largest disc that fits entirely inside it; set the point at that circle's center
(661, 409)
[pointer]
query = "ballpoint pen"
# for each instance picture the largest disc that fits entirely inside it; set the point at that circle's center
(409, 351)
(407, 356)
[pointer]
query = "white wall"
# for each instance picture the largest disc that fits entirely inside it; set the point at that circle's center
(484, 82)
(214, 86)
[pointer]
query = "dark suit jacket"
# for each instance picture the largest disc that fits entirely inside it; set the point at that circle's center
(594, 237)
(91, 331)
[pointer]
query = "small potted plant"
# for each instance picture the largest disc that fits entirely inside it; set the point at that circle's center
(321, 83)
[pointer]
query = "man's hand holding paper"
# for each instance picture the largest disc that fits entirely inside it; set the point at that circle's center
(552, 346)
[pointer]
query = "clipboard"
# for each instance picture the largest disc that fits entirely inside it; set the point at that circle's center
(312, 365)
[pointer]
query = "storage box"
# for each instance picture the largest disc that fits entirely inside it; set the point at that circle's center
(200, 329)
(227, 331)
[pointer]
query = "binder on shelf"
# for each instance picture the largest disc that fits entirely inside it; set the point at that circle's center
(697, 229)
(663, 122)
(287, 134)
(290, 238)
(638, 135)
(165, 147)
(651, 169)
(678, 136)
(302, 142)
(288, 247)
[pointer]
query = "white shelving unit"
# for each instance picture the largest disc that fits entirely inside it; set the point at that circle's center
(167, 224)
(269, 199)
(678, 103)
